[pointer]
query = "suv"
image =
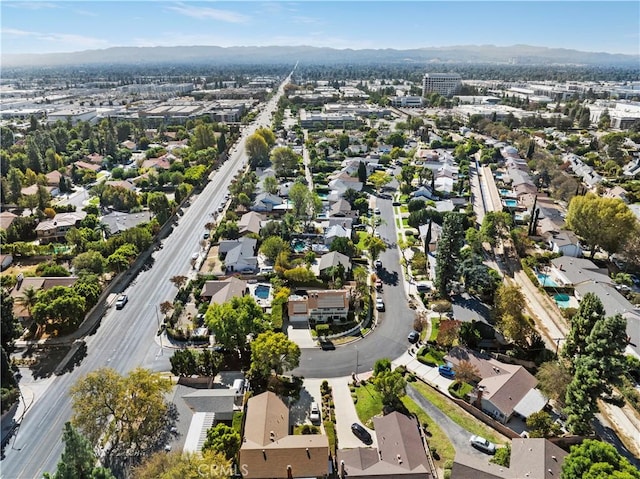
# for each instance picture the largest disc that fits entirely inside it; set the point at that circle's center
(122, 300)
(314, 413)
(413, 337)
(361, 433)
(446, 371)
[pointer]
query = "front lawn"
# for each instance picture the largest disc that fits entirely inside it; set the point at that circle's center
(457, 414)
(435, 327)
(460, 390)
(368, 404)
(362, 236)
(431, 356)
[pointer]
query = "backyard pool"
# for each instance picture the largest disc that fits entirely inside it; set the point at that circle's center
(545, 281)
(506, 192)
(262, 291)
(299, 246)
(510, 203)
(562, 300)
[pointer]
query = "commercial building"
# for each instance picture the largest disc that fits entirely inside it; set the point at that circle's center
(445, 84)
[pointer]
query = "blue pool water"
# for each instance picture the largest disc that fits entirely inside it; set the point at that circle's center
(505, 192)
(511, 203)
(262, 291)
(562, 300)
(299, 246)
(546, 281)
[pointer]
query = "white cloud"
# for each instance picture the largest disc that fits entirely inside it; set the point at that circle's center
(27, 5)
(57, 41)
(209, 13)
(14, 32)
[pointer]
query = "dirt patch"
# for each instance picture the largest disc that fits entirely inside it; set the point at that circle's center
(212, 264)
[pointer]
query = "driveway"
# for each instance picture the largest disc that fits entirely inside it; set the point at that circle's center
(458, 436)
(346, 415)
(301, 335)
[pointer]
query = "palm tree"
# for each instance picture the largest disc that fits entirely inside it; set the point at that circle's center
(104, 229)
(28, 299)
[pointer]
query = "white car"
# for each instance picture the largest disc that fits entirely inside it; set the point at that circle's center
(122, 300)
(314, 413)
(482, 444)
(379, 304)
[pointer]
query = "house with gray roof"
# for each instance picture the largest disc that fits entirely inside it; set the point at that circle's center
(333, 259)
(401, 452)
(573, 271)
(266, 202)
(240, 255)
(250, 223)
(336, 231)
(219, 292)
(119, 222)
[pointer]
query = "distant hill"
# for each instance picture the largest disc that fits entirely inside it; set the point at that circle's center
(515, 54)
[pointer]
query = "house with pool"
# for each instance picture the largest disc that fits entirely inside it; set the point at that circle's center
(320, 306)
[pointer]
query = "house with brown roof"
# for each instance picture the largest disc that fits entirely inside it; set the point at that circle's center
(401, 452)
(53, 178)
(38, 283)
(6, 218)
(95, 158)
(161, 163)
(126, 184)
(269, 451)
(83, 165)
(56, 228)
(219, 292)
(319, 306)
(250, 223)
(532, 458)
(504, 390)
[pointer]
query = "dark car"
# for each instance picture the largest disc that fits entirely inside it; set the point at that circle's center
(361, 433)
(447, 372)
(327, 346)
(413, 337)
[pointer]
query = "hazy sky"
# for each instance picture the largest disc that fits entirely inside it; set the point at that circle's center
(44, 27)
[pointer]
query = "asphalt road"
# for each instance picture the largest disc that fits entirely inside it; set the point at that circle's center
(125, 339)
(389, 338)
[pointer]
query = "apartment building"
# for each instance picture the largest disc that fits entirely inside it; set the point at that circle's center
(445, 84)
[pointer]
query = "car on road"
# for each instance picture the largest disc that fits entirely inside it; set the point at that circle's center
(327, 346)
(314, 413)
(195, 256)
(379, 304)
(121, 301)
(377, 211)
(446, 371)
(377, 263)
(482, 444)
(220, 208)
(205, 235)
(413, 337)
(379, 285)
(361, 433)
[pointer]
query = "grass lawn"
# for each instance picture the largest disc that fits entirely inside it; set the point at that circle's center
(362, 236)
(457, 415)
(398, 223)
(369, 404)
(405, 222)
(435, 325)
(236, 421)
(429, 355)
(460, 390)
(404, 209)
(438, 439)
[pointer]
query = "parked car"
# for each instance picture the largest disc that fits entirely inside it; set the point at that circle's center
(195, 256)
(379, 304)
(361, 433)
(205, 235)
(314, 413)
(482, 444)
(379, 285)
(377, 263)
(121, 301)
(377, 211)
(446, 371)
(413, 337)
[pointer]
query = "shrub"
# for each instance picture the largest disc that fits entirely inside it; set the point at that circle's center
(330, 431)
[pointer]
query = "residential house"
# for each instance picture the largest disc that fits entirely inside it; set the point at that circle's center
(53, 179)
(343, 182)
(564, 242)
(83, 165)
(504, 390)
(266, 202)
(219, 292)
(56, 228)
(94, 158)
(401, 452)
(161, 163)
(336, 231)
(436, 231)
(532, 458)
(38, 283)
(6, 219)
(331, 260)
(342, 209)
(568, 271)
(424, 192)
(320, 306)
(119, 222)
(129, 145)
(250, 223)
(269, 451)
(617, 192)
(239, 255)
(125, 184)
(5, 261)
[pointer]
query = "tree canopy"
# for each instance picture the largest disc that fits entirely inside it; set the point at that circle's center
(232, 322)
(272, 351)
(595, 460)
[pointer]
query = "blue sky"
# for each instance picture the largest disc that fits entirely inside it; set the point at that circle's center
(53, 26)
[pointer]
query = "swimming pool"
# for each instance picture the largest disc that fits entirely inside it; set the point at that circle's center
(299, 246)
(545, 281)
(262, 291)
(562, 300)
(506, 192)
(510, 203)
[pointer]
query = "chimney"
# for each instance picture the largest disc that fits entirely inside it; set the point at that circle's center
(479, 398)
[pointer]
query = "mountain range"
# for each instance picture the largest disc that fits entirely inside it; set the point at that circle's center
(479, 54)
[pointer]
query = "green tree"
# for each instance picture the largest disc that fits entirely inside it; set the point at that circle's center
(509, 312)
(125, 415)
(257, 150)
(502, 456)
(448, 253)
(268, 135)
(9, 330)
(203, 137)
(273, 246)
(59, 308)
(161, 465)
(234, 320)
(596, 459)
(541, 424)
(345, 246)
(271, 185)
(91, 261)
(159, 205)
(391, 386)
(375, 246)
(285, 161)
(601, 222)
(224, 440)
(378, 179)
(553, 378)
(381, 365)
(495, 226)
(362, 173)
(591, 311)
(78, 460)
(272, 351)
(28, 299)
